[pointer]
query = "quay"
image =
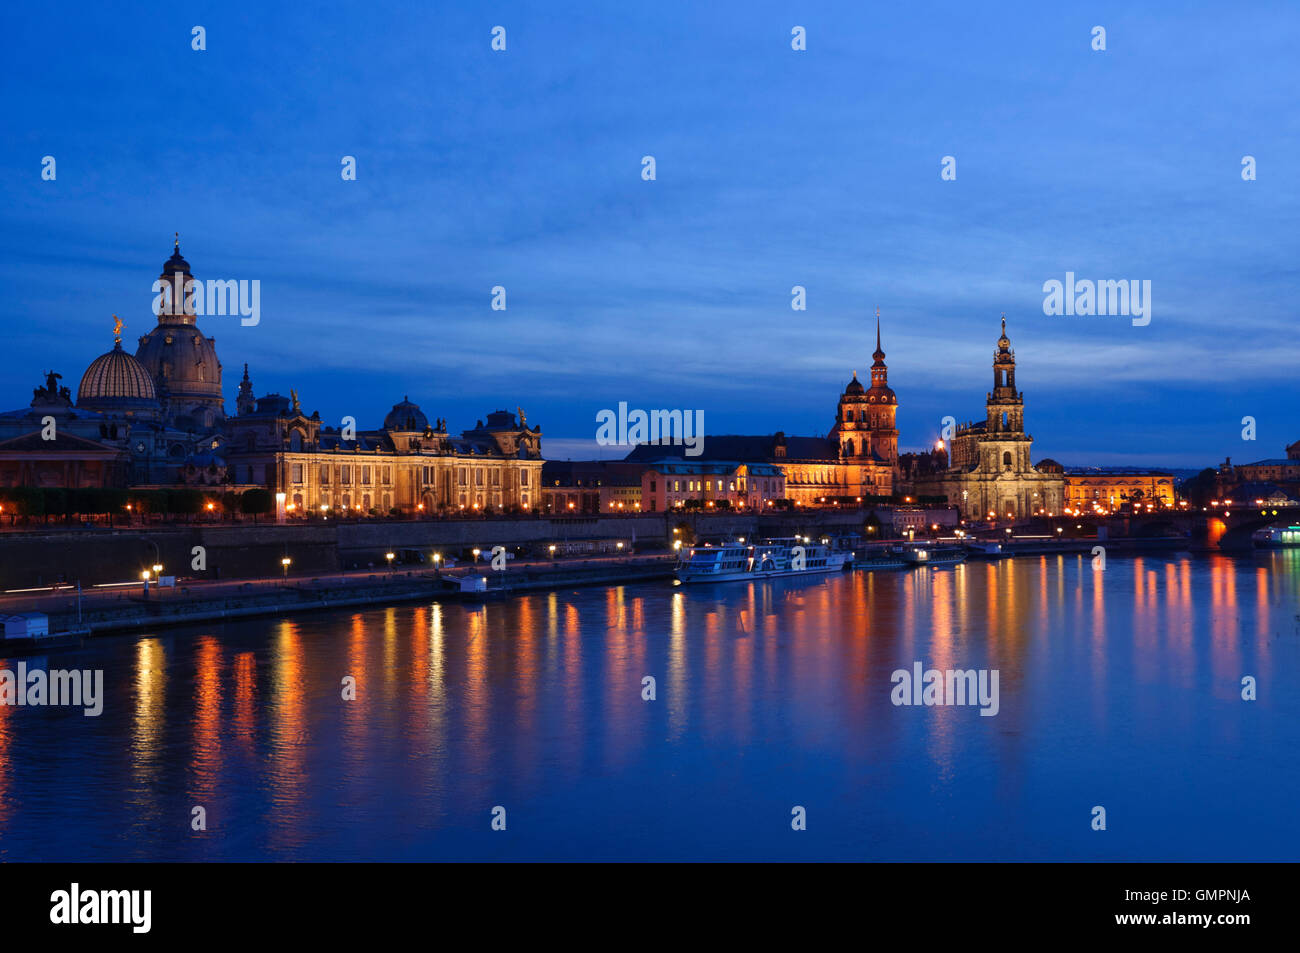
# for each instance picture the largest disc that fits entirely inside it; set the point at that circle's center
(103, 613)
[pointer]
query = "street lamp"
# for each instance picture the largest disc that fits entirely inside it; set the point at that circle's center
(389, 557)
(552, 549)
(476, 554)
(145, 576)
(284, 563)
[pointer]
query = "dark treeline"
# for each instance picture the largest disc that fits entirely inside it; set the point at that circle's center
(48, 503)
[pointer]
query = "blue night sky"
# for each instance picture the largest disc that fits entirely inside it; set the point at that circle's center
(775, 168)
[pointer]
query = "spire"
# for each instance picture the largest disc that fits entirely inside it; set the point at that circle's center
(1004, 343)
(879, 355)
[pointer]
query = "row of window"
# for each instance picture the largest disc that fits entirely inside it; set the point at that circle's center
(364, 473)
(344, 474)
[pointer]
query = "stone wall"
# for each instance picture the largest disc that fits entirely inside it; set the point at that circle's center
(248, 551)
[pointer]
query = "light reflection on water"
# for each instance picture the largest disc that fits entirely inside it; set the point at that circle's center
(1119, 688)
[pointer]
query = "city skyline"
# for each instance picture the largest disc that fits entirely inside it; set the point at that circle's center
(523, 169)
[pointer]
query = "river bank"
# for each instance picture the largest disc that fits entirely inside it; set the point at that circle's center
(100, 614)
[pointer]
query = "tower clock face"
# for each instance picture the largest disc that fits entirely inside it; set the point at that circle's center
(139, 447)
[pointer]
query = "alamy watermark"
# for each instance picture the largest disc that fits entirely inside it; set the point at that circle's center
(1104, 297)
(950, 687)
(80, 688)
(659, 427)
(215, 296)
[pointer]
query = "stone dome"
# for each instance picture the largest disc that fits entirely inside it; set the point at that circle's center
(116, 381)
(855, 385)
(406, 416)
(181, 361)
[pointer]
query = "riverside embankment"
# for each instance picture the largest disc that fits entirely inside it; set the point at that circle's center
(100, 612)
(40, 556)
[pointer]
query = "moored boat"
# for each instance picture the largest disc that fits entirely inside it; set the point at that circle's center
(934, 555)
(1276, 537)
(735, 562)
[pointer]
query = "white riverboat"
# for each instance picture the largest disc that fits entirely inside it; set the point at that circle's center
(735, 562)
(1276, 537)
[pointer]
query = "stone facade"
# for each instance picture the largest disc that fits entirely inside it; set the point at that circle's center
(675, 484)
(1090, 488)
(408, 465)
(591, 486)
(990, 475)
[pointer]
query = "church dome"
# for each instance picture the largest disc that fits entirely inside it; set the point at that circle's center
(406, 416)
(116, 381)
(855, 385)
(176, 263)
(184, 360)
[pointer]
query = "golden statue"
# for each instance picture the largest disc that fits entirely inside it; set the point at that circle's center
(117, 328)
(522, 419)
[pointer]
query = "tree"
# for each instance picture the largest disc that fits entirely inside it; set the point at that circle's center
(186, 502)
(256, 502)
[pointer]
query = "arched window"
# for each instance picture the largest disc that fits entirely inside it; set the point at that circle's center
(1006, 459)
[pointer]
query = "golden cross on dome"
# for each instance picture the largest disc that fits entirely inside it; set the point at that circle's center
(117, 328)
(177, 246)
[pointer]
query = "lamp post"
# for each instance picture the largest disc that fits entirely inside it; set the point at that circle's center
(145, 576)
(284, 565)
(389, 557)
(437, 564)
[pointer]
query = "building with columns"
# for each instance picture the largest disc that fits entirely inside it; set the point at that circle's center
(406, 467)
(990, 475)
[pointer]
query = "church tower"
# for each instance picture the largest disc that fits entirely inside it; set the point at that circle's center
(864, 430)
(180, 359)
(1006, 405)
(1004, 445)
(245, 402)
(882, 406)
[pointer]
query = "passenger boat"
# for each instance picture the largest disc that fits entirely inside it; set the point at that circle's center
(934, 555)
(735, 562)
(883, 559)
(1276, 537)
(984, 549)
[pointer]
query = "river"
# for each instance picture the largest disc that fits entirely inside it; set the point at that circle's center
(1120, 689)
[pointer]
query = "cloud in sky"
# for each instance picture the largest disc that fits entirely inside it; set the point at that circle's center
(775, 168)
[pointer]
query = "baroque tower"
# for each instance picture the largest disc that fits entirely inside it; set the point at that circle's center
(865, 429)
(180, 359)
(1005, 444)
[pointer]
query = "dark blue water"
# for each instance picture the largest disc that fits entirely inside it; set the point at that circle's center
(1119, 688)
